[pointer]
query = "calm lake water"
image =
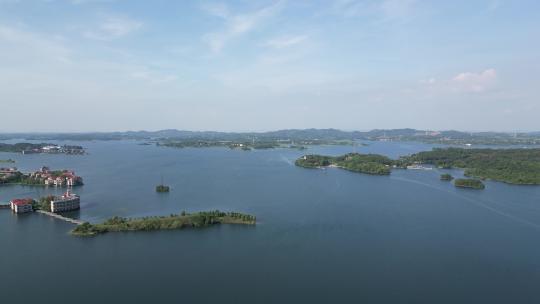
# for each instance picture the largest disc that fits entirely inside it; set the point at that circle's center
(324, 236)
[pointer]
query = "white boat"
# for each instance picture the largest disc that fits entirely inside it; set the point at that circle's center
(419, 167)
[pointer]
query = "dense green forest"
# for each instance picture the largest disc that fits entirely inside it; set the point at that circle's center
(20, 178)
(174, 221)
(44, 203)
(365, 163)
(469, 183)
(515, 166)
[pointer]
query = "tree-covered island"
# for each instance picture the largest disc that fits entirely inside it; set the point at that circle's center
(364, 163)
(174, 221)
(469, 183)
(248, 144)
(446, 177)
(162, 188)
(513, 166)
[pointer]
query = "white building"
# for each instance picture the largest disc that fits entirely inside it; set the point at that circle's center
(21, 205)
(66, 202)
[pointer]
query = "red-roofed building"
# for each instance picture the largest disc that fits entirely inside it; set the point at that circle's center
(23, 205)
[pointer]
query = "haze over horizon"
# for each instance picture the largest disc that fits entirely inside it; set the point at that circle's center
(106, 65)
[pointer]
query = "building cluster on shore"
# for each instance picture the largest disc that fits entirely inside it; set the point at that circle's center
(8, 172)
(44, 176)
(62, 178)
(55, 149)
(67, 202)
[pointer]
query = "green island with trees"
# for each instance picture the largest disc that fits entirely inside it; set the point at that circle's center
(9, 161)
(469, 183)
(374, 164)
(446, 177)
(248, 144)
(174, 221)
(513, 166)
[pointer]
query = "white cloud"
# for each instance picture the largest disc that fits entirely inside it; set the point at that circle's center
(465, 82)
(217, 9)
(17, 44)
(114, 27)
(494, 5)
(153, 78)
(397, 9)
(429, 81)
(387, 10)
(284, 42)
(236, 25)
(475, 82)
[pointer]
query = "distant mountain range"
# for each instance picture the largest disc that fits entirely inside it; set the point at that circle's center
(449, 136)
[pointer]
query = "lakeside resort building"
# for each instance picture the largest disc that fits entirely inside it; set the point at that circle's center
(66, 202)
(21, 205)
(64, 178)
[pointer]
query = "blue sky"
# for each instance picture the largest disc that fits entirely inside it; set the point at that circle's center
(102, 65)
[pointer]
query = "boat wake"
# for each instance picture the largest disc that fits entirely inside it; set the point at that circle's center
(476, 202)
(288, 161)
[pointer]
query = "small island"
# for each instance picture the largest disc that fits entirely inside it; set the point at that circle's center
(9, 161)
(469, 183)
(174, 221)
(373, 164)
(446, 177)
(162, 188)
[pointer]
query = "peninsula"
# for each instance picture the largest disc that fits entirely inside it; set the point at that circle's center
(174, 221)
(29, 148)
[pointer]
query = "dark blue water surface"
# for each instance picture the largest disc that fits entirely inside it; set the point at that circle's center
(324, 236)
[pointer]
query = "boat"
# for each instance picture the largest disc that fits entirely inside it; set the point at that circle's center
(419, 167)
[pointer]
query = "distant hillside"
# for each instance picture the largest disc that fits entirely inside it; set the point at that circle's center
(443, 137)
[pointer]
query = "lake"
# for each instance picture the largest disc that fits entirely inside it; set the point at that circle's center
(323, 236)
